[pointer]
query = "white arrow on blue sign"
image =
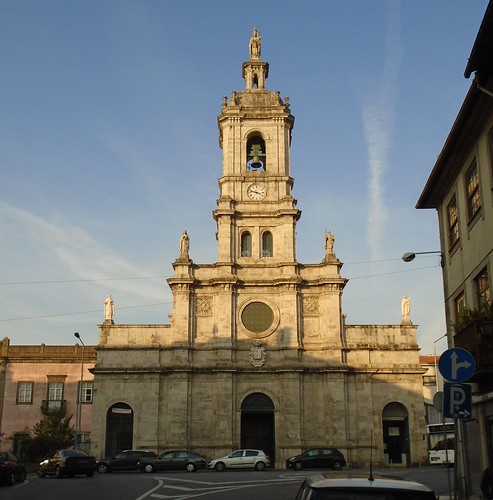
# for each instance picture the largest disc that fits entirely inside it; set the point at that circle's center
(457, 400)
(456, 365)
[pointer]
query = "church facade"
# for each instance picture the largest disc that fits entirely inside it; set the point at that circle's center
(257, 353)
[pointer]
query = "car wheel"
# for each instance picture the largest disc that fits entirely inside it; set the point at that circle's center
(90, 474)
(219, 466)
(190, 467)
(58, 472)
(337, 465)
(102, 468)
(41, 472)
(148, 468)
(22, 476)
(10, 481)
(260, 466)
(298, 466)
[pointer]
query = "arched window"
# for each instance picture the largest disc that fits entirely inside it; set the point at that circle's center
(255, 81)
(267, 244)
(246, 244)
(256, 158)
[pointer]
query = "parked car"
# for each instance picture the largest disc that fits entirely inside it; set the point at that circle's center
(67, 462)
(176, 459)
(125, 460)
(242, 459)
(334, 486)
(317, 458)
(11, 470)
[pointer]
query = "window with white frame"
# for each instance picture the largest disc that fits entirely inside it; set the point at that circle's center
(85, 392)
(55, 391)
(55, 395)
(25, 392)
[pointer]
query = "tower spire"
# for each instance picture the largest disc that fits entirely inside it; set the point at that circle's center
(255, 72)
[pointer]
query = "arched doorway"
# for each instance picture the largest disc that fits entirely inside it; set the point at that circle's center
(396, 434)
(119, 429)
(257, 424)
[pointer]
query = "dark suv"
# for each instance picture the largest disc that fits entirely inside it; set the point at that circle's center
(125, 460)
(317, 458)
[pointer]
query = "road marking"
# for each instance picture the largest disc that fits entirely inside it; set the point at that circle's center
(148, 493)
(203, 488)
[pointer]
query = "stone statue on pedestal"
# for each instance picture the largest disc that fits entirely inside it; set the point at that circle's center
(109, 309)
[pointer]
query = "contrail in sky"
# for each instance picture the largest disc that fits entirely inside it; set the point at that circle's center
(378, 118)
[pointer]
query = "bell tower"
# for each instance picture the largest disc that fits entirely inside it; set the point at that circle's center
(257, 295)
(256, 214)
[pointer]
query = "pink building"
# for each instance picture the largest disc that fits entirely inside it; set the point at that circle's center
(36, 379)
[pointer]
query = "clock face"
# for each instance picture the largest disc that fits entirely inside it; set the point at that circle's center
(256, 192)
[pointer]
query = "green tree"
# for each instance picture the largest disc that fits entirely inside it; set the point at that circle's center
(52, 432)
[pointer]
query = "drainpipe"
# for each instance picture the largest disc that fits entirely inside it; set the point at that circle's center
(482, 89)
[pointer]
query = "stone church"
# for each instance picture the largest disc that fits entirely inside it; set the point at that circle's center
(257, 353)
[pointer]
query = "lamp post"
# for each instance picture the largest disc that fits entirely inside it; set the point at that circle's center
(78, 423)
(437, 384)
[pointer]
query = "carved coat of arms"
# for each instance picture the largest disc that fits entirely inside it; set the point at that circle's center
(257, 355)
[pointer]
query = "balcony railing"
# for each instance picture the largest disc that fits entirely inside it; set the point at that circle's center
(477, 338)
(48, 405)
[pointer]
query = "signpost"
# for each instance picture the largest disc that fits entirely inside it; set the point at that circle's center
(457, 366)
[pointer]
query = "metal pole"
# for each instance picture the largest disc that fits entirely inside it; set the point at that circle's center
(437, 380)
(437, 387)
(78, 420)
(446, 455)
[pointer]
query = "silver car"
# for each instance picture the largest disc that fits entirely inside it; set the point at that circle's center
(242, 459)
(332, 486)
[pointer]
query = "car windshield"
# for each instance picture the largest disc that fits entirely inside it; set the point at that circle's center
(334, 494)
(75, 453)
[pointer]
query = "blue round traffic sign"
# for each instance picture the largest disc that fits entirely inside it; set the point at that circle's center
(456, 365)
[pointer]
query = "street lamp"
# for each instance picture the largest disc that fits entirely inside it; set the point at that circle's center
(78, 423)
(410, 256)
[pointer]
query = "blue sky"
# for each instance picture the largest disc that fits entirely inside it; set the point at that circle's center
(109, 148)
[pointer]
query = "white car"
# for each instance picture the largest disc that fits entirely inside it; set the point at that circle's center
(242, 459)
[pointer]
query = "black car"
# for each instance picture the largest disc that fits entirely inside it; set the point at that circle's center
(317, 458)
(67, 462)
(332, 486)
(125, 460)
(11, 470)
(176, 459)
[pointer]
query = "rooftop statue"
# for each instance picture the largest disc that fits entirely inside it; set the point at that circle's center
(329, 242)
(406, 308)
(184, 244)
(255, 45)
(109, 308)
